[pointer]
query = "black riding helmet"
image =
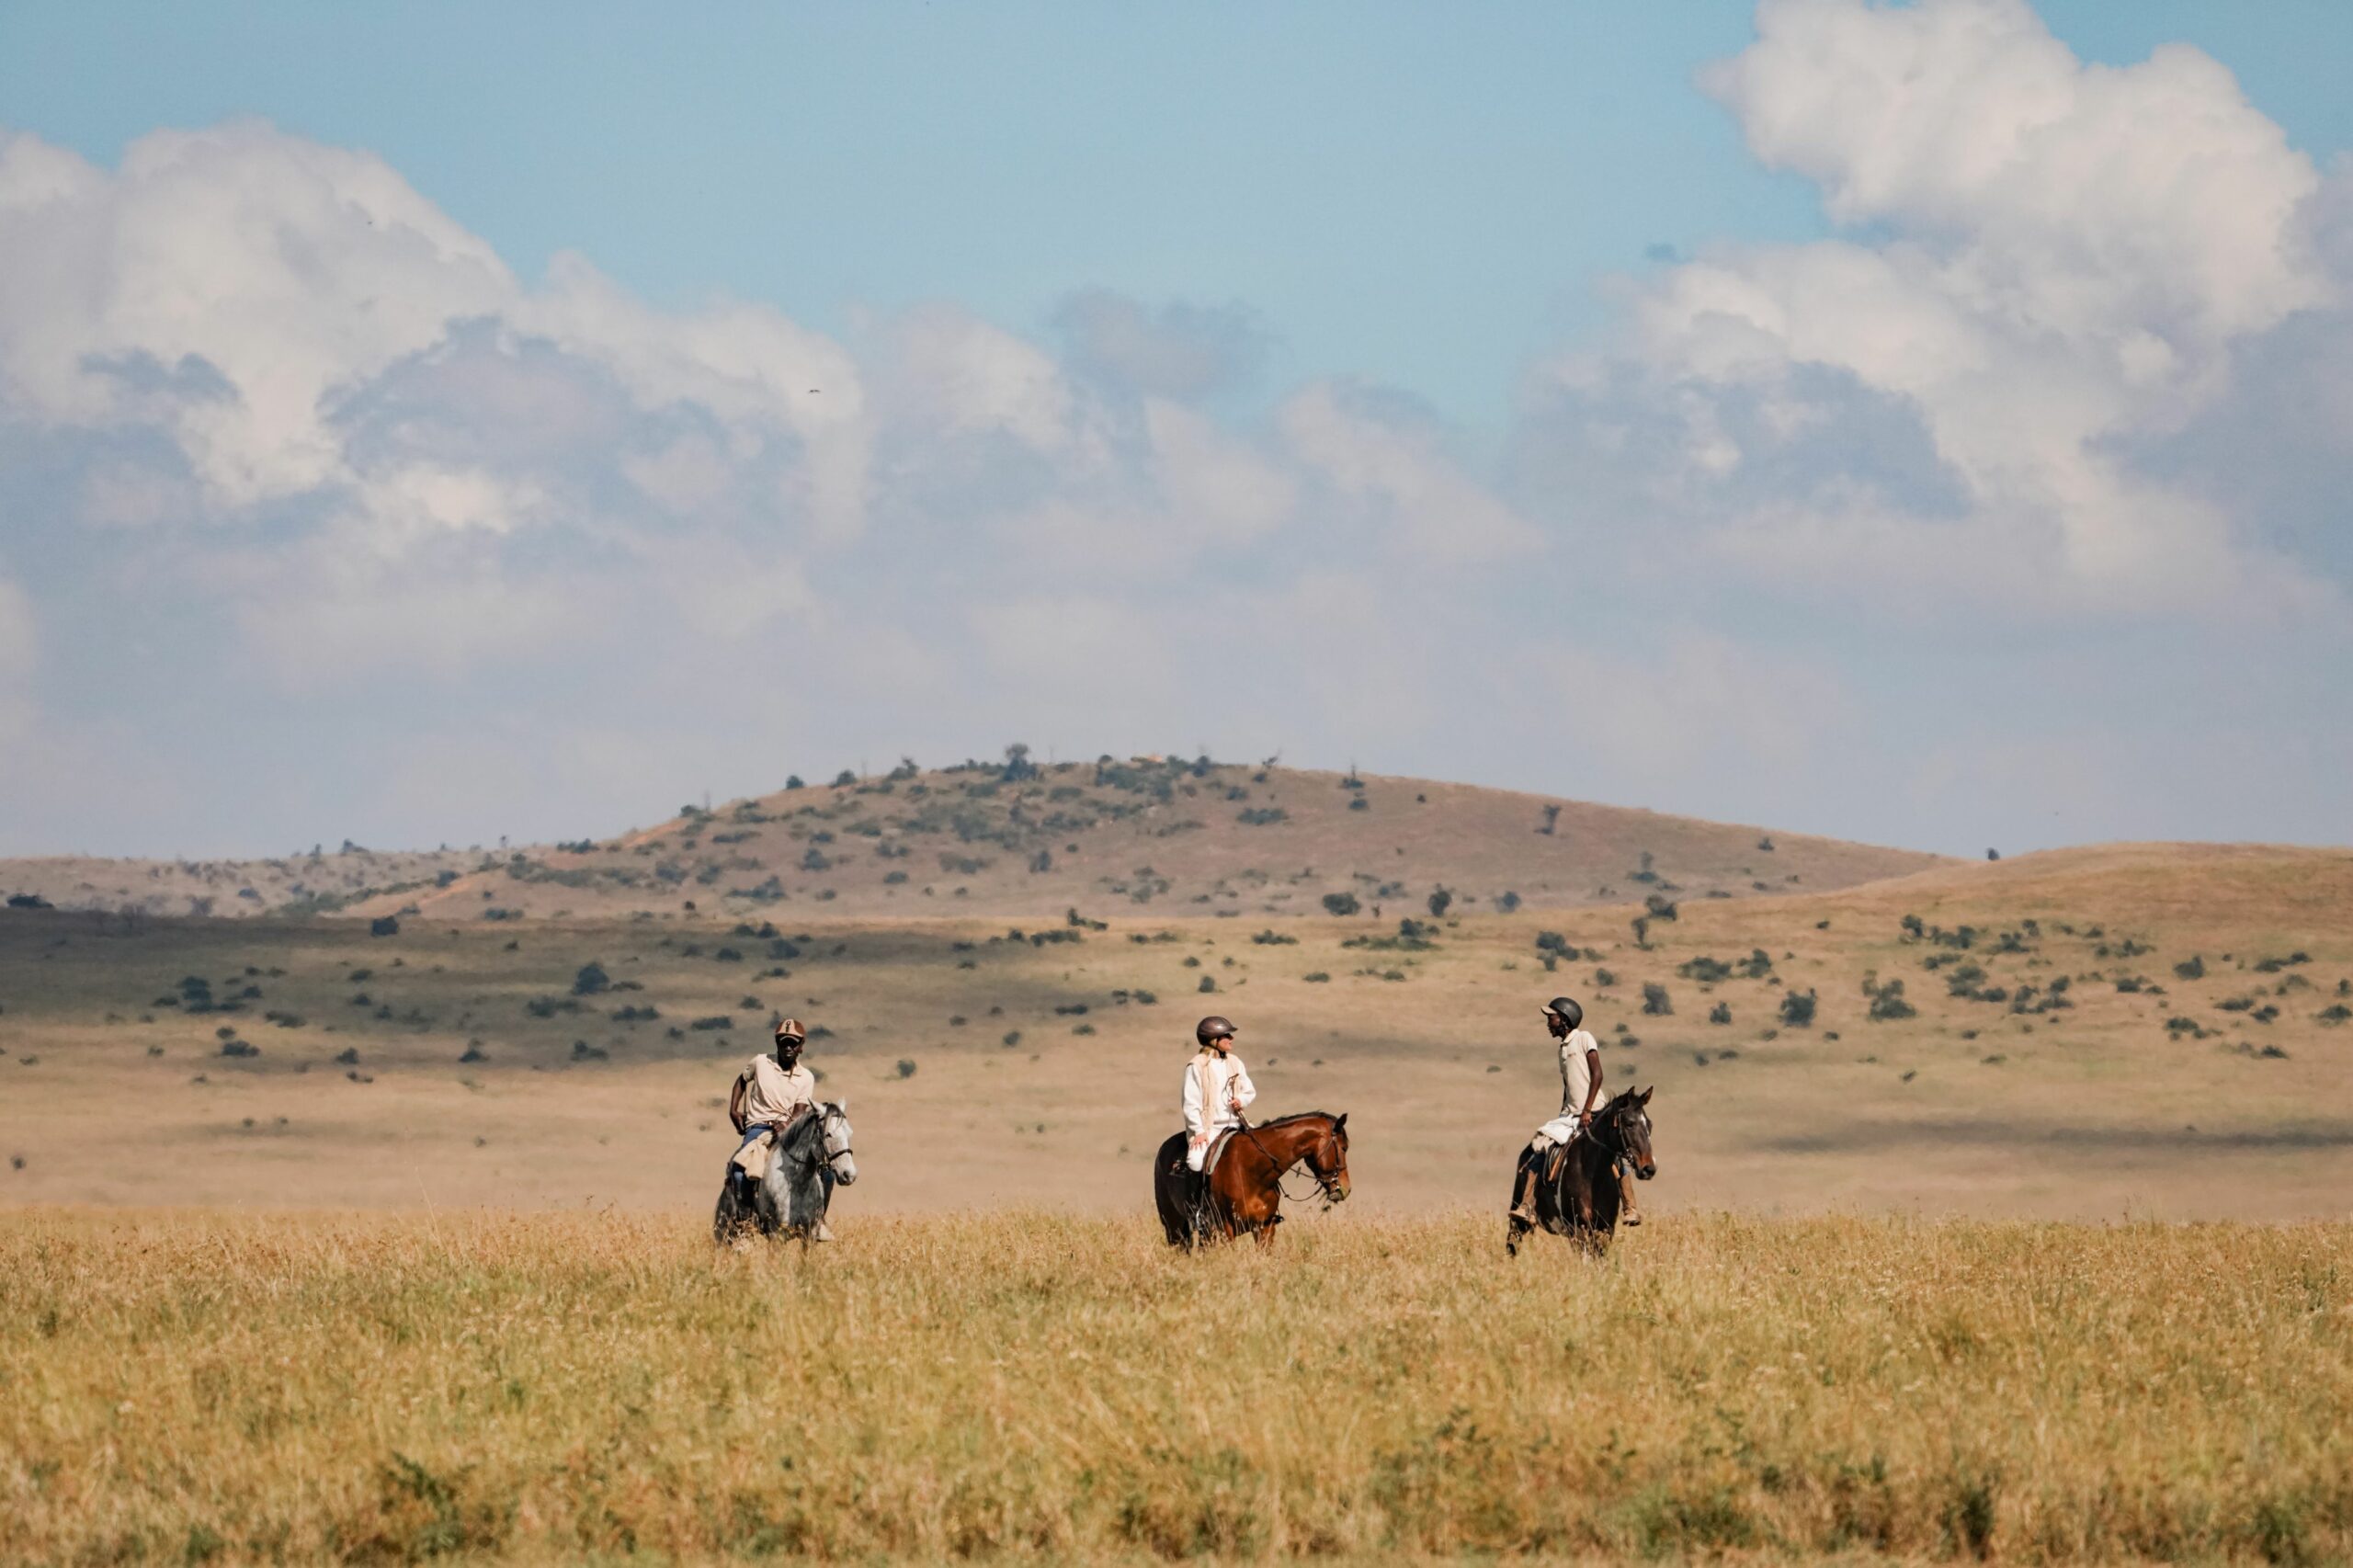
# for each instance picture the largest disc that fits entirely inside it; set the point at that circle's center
(1212, 1027)
(1567, 1010)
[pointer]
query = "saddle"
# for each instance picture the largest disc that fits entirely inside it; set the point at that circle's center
(1208, 1156)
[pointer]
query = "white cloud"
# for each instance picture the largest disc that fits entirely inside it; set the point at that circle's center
(19, 648)
(2062, 255)
(1393, 465)
(1644, 726)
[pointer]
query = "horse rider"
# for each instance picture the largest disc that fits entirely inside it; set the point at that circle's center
(1581, 1096)
(772, 1090)
(1217, 1088)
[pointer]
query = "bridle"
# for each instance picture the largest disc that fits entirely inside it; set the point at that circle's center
(1613, 1120)
(833, 1156)
(1324, 1187)
(820, 1116)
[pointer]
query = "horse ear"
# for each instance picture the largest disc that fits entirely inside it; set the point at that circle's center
(1645, 1096)
(1340, 1123)
(842, 1105)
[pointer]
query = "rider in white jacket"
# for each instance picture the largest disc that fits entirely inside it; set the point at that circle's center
(1217, 1088)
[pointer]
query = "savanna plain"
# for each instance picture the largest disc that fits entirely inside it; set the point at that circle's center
(2002, 1208)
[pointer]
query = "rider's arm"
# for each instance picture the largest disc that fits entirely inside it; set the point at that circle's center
(1591, 1087)
(1196, 1122)
(735, 1106)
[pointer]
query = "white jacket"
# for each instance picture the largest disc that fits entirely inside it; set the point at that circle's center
(1214, 1085)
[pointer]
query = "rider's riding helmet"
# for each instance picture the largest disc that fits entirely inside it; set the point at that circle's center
(790, 1030)
(1211, 1029)
(1567, 1010)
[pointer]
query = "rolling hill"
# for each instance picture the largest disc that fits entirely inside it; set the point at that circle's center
(1029, 842)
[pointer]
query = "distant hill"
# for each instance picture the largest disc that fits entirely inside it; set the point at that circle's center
(1032, 843)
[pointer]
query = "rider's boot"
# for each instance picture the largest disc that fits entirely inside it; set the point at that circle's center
(820, 1234)
(1523, 1207)
(1627, 1213)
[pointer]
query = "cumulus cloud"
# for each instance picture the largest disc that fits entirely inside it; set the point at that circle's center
(19, 646)
(1181, 351)
(2051, 258)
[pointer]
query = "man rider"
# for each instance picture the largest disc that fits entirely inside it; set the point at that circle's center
(770, 1091)
(1217, 1088)
(1581, 1096)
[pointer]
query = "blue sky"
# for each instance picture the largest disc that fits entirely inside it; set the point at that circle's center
(1387, 318)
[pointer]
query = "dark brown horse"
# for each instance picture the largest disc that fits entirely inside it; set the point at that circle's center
(1247, 1188)
(1578, 1197)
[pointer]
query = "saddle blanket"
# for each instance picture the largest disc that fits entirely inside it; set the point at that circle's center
(752, 1159)
(1561, 1130)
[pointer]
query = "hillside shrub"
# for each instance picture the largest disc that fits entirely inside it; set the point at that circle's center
(1508, 902)
(1341, 903)
(1654, 1000)
(591, 980)
(1720, 1012)
(2191, 968)
(1797, 1009)
(1887, 1002)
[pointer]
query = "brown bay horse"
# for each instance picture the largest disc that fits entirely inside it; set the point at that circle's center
(1578, 1197)
(1247, 1188)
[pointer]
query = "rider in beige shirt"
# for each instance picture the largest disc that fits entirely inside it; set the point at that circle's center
(771, 1090)
(1581, 1096)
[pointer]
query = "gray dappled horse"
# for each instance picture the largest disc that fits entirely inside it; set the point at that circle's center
(809, 1158)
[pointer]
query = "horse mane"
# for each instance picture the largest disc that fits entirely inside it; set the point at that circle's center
(803, 1126)
(1297, 1116)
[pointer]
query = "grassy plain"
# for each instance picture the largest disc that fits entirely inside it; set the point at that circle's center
(202, 1387)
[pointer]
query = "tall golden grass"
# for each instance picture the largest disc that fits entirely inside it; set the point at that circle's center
(200, 1386)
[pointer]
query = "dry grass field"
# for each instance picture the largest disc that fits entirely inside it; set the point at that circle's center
(198, 1387)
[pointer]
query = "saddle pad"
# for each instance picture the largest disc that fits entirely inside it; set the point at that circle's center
(1216, 1149)
(752, 1159)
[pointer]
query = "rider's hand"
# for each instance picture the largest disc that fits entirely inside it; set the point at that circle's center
(1584, 1120)
(1198, 1142)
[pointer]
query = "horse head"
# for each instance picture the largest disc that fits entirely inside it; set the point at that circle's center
(1328, 1158)
(1630, 1125)
(834, 1117)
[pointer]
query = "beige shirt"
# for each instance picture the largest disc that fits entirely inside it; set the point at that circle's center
(1577, 1074)
(771, 1094)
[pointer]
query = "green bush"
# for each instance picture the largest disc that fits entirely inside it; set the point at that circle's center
(1797, 1009)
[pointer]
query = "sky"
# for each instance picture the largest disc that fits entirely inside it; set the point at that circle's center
(1924, 424)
